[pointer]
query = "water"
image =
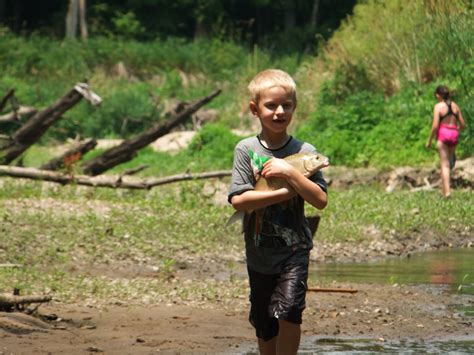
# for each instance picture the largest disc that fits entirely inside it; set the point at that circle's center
(451, 270)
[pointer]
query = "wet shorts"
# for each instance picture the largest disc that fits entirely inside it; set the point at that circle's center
(448, 134)
(279, 296)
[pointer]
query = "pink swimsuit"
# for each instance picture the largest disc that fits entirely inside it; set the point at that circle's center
(448, 134)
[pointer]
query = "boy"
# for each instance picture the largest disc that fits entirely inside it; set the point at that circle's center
(278, 244)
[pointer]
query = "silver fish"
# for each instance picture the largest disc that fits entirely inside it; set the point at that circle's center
(306, 163)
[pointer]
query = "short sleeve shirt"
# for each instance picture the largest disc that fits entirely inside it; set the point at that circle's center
(284, 220)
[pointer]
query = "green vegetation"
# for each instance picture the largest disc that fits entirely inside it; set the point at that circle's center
(365, 100)
(103, 244)
(379, 72)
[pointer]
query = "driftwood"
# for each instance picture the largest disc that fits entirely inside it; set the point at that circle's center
(7, 300)
(342, 290)
(77, 150)
(37, 125)
(15, 115)
(13, 302)
(103, 180)
(128, 149)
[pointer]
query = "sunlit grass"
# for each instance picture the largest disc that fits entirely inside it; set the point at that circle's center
(70, 239)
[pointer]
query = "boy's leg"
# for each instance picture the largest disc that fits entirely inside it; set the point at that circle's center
(266, 326)
(287, 304)
(267, 347)
(288, 338)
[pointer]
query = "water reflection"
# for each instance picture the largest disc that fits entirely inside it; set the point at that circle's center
(451, 267)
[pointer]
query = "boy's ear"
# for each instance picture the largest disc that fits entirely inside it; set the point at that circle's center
(253, 107)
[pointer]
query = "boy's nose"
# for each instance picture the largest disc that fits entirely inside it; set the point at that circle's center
(280, 110)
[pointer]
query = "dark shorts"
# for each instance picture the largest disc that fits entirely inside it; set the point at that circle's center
(274, 297)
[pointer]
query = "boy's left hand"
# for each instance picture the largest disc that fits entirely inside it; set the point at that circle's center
(276, 168)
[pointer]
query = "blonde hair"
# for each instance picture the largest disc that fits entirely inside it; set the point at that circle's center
(270, 78)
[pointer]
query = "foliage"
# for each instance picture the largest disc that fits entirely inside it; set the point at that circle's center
(378, 74)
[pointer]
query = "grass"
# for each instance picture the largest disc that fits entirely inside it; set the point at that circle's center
(96, 245)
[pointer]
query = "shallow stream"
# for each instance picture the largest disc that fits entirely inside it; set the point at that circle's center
(439, 271)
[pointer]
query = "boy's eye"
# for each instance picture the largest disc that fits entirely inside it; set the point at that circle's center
(273, 107)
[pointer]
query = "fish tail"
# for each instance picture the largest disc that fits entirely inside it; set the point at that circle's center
(237, 216)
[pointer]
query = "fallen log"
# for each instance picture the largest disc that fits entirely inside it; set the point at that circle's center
(81, 148)
(105, 180)
(127, 150)
(36, 126)
(342, 290)
(7, 300)
(15, 116)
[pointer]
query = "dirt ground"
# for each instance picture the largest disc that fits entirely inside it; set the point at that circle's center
(381, 312)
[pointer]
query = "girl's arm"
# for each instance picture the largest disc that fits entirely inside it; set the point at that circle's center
(462, 124)
(303, 186)
(253, 200)
(434, 126)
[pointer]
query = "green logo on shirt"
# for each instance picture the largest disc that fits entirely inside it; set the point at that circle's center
(257, 161)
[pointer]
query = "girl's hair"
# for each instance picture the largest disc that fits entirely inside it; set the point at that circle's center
(443, 91)
(271, 78)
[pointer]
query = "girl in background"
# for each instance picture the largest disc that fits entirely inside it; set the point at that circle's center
(447, 122)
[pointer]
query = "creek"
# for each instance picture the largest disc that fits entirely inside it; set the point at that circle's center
(449, 271)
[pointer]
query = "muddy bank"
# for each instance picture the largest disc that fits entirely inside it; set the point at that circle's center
(375, 311)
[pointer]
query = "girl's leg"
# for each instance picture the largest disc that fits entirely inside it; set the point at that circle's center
(444, 154)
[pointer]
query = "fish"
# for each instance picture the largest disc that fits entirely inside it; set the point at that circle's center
(306, 163)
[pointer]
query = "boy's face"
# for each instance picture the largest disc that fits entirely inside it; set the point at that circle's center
(275, 109)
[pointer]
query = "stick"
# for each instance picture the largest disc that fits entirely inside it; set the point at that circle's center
(12, 300)
(104, 180)
(341, 290)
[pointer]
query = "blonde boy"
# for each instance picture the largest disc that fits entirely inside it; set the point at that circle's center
(277, 250)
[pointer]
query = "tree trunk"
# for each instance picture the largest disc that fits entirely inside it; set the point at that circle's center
(82, 18)
(104, 180)
(128, 149)
(37, 125)
(78, 150)
(2, 11)
(313, 25)
(313, 21)
(290, 15)
(71, 19)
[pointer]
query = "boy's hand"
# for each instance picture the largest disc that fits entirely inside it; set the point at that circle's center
(277, 168)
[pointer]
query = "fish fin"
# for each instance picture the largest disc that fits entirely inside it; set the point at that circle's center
(237, 216)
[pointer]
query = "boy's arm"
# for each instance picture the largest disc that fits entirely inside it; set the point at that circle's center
(252, 200)
(307, 189)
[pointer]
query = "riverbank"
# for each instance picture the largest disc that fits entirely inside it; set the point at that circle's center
(380, 312)
(134, 272)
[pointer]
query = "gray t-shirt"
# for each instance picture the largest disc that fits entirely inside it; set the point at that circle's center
(284, 221)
